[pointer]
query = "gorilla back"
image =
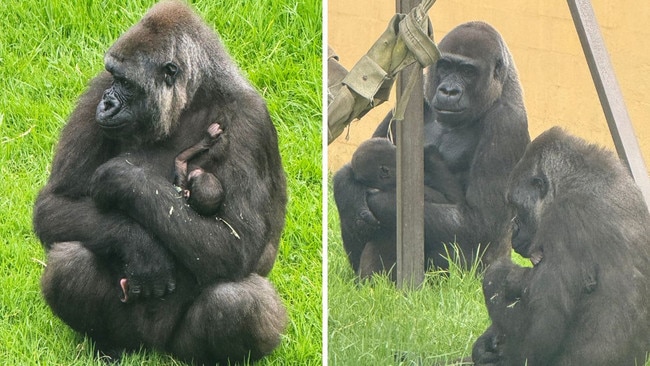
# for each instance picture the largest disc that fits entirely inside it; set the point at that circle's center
(583, 223)
(129, 262)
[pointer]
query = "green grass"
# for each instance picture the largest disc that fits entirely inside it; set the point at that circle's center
(49, 51)
(370, 323)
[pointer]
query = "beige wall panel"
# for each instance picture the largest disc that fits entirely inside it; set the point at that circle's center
(558, 89)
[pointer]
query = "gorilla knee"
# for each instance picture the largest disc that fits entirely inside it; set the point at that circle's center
(232, 321)
(73, 284)
(378, 257)
(256, 304)
(64, 263)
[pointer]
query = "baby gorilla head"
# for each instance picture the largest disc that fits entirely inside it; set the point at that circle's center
(205, 192)
(373, 164)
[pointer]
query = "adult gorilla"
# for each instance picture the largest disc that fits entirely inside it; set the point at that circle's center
(129, 263)
(584, 224)
(475, 118)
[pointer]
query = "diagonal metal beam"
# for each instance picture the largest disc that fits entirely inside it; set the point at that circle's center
(609, 92)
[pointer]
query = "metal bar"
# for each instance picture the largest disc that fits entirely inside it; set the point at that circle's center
(609, 93)
(410, 178)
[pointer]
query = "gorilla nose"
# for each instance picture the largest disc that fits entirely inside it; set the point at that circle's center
(449, 94)
(108, 106)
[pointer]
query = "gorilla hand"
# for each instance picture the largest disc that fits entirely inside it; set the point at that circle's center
(149, 272)
(485, 350)
(382, 206)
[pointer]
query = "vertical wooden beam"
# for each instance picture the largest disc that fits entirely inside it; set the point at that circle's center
(609, 92)
(410, 178)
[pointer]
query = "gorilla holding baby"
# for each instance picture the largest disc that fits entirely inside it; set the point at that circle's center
(129, 262)
(583, 223)
(475, 120)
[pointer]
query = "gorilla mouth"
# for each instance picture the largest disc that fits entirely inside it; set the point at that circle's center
(112, 126)
(536, 257)
(449, 111)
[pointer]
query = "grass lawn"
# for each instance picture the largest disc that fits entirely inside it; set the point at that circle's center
(49, 51)
(370, 323)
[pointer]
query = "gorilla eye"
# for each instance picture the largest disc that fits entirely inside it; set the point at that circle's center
(467, 70)
(123, 84)
(540, 184)
(171, 70)
(443, 64)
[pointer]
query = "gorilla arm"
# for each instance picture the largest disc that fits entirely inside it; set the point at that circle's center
(252, 214)
(357, 222)
(65, 212)
(63, 209)
(482, 217)
(549, 316)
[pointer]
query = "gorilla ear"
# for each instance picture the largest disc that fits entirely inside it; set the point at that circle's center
(171, 70)
(541, 185)
(499, 70)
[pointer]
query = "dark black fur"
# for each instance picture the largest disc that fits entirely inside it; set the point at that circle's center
(583, 222)
(475, 119)
(109, 211)
(206, 192)
(373, 164)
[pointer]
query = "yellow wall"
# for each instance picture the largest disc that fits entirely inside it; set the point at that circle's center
(558, 88)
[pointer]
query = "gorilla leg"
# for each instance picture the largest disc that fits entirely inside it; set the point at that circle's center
(231, 321)
(85, 293)
(76, 286)
(379, 256)
(358, 224)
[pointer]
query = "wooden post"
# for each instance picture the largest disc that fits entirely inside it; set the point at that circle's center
(609, 93)
(410, 178)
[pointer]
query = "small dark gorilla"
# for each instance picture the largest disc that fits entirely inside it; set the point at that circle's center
(202, 190)
(129, 262)
(583, 223)
(476, 128)
(373, 164)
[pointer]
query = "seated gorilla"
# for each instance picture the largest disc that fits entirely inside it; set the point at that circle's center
(111, 220)
(475, 120)
(583, 223)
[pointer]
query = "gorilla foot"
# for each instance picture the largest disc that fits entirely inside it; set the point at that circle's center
(124, 297)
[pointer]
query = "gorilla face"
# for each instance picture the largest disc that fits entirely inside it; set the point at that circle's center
(469, 76)
(374, 164)
(128, 105)
(526, 195)
(457, 78)
(123, 105)
(153, 80)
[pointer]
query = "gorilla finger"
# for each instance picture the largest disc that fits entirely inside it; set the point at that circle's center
(159, 289)
(369, 218)
(135, 289)
(171, 286)
(146, 292)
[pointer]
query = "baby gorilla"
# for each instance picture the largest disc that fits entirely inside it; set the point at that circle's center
(373, 164)
(203, 190)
